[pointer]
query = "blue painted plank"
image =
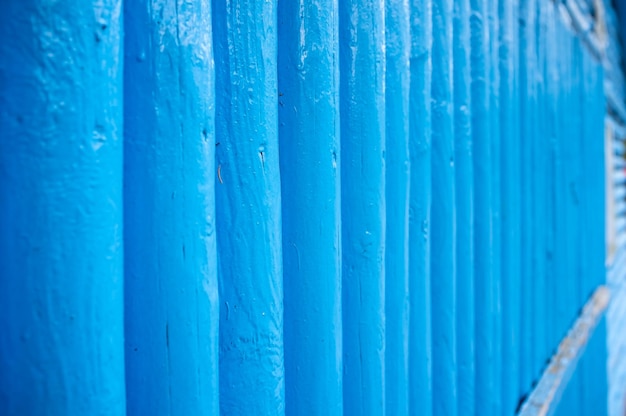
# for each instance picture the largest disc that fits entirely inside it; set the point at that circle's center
(540, 193)
(527, 102)
(397, 171)
(483, 201)
(464, 200)
(171, 299)
(576, 184)
(61, 250)
(594, 105)
(510, 210)
(560, 259)
(248, 208)
(551, 112)
(595, 172)
(443, 232)
(362, 92)
(495, 139)
(420, 353)
(308, 108)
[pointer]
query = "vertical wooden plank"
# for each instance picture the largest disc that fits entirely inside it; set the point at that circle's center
(527, 101)
(362, 69)
(595, 107)
(562, 280)
(420, 354)
(558, 200)
(308, 108)
(551, 77)
(443, 233)
(61, 284)
(171, 299)
(593, 240)
(510, 209)
(483, 200)
(397, 79)
(599, 201)
(248, 208)
(568, 154)
(464, 208)
(495, 286)
(578, 197)
(597, 206)
(539, 168)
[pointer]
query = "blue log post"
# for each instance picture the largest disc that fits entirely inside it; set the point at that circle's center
(362, 92)
(308, 107)
(420, 353)
(171, 307)
(248, 208)
(464, 207)
(483, 201)
(397, 171)
(495, 138)
(443, 232)
(527, 72)
(539, 169)
(510, 212)
(551, 110)
(593, 240)
(61, 279)
(562, 313)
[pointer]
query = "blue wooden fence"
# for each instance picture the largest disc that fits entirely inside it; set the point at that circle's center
(327, 207)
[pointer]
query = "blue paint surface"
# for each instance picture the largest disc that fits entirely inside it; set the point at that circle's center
(397, 177)
(527, 97)
(61, 252)
(551, 110)
(443, 225)
(494, 287)
(563, 300)
(171, 303)
(362, 24)
(248, 209)
(510, 168)
(483, 201)
(361, 207)
(308, 105)
(539, 180)
(464, 210)
(420, 353)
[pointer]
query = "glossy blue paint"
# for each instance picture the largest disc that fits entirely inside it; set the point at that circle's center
(248, 206)
(61, 279)
(362, 93)
(483, 205)
(435, 217)
(464, 209)
(495, 139)
(527, 103)
(510, 209)
(594, 105)
(443, 230)
(561, 192)
(551, 110)
(420, 353)
(539, 180)
(169, 209)
(308, 108)
(595, 365)
(397, 187)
